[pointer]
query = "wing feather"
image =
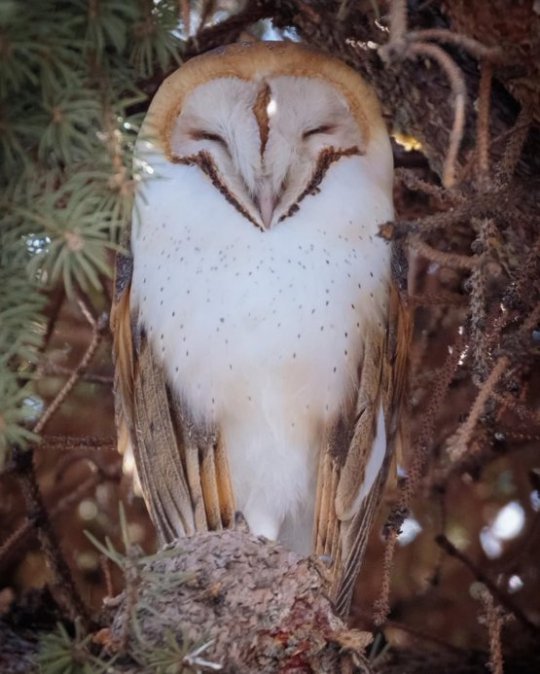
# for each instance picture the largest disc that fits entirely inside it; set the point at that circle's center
(354, 465)
(224, 485)
(210, 490)
(157, 447)
(181, 464)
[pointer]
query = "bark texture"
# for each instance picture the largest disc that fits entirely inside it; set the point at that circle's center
(261, 607)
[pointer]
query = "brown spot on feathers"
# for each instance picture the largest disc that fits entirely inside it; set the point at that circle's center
(260, 110)
(325, 159)
(205, 162)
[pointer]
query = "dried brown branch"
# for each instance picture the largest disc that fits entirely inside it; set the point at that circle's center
(105, 564)
(419, 635)
(206, 9)
(519, 408)
(91, 377)
(477, 49)
(64, 585)
(439, 298)
(514, 146)
(91, 457)
(227, 31)
(459, 444)
(185, 14)
(398, 20)
(497, 593)
(99, 328)
(21, 538)
(83, 442)
(482, 120)
(410, 45)
(424, 442)
(453, 260)
(56, 301)
(413, 182)
(459, 90)
(494, 619)
(381, 608)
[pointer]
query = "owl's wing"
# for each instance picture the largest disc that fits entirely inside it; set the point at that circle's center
(355, 462)
(181, 465)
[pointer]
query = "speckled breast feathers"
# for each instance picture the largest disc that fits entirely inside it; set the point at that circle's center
(260, 342)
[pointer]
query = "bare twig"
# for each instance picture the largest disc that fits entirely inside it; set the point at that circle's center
(457, 82)
(439, 298)
(99, 328)
(460, 442)
(419, 635)
(494, 618)
(63, 580)
(57, 299)
(514, 146)
(477, 49)
(453, 260)
(83, 442)
(398, 20)
(185, 14)
(482, 120)
(425, 439)
(105, 564)
(91, 377)
(406, 45)
(497, 593)
(381, 608)
(411, 180)
(95, 459)
(227, 31)
(21, 537)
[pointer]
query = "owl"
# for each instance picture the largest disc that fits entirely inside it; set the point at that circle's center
(260, 343)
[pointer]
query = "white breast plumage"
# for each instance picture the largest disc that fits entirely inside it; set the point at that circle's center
(261, 333)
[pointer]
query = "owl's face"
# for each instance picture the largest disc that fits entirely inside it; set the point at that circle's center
(270, 140)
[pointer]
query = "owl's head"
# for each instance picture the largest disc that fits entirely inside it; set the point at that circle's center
(266, 121)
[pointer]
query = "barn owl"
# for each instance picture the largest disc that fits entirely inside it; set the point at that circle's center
(259, 341)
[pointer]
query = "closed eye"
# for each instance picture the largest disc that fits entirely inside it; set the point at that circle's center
(199, 134)
(324, 128)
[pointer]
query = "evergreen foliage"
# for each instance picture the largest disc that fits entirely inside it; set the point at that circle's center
(71, 78)
(62, 654)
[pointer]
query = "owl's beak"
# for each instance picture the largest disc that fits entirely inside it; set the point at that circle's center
(266, 202)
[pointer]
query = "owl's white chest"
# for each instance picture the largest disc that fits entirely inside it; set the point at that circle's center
(261, 333)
